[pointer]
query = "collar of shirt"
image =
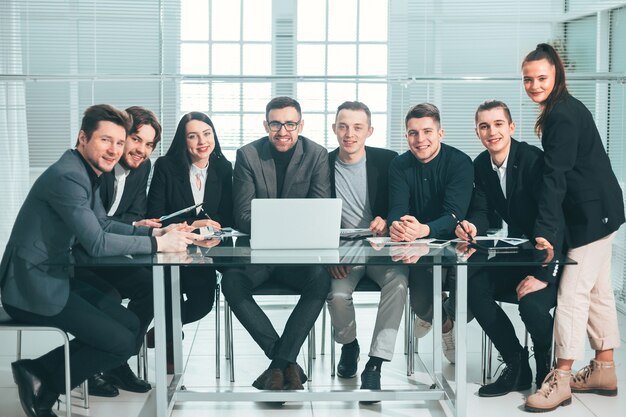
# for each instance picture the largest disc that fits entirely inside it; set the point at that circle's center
(120, 171)
(93, 177)
(500, 168)
(195, 170)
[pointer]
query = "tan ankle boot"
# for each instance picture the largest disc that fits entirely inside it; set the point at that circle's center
(554, 392)
(596, 378)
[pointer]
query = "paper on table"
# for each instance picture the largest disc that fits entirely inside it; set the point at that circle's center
(510, 240)
(225, 232)
(386, 241)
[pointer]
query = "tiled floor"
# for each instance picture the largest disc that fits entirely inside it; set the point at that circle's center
(199, 350)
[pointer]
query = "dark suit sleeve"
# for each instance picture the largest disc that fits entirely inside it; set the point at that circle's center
(399, 192)
(480, 209)
(457, 191)
(560, 145)
(71, 200)
(243, 192)
(157, 196)
(320, 178)
(225, 208)
(139, 206)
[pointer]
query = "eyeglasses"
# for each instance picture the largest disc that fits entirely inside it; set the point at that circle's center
(289, 126)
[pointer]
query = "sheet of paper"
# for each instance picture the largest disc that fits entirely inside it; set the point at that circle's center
(386, 241)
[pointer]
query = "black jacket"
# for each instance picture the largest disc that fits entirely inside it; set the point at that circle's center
(578, 180)
(134, 201)
(170, 191)
(524, 173)
(377, 166)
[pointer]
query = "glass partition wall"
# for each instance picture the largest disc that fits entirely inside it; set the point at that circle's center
(229, 58)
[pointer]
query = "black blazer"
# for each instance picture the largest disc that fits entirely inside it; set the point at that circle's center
(377, 166)
(170, 191)
(524, 173)
(578, 180)
(134, 202)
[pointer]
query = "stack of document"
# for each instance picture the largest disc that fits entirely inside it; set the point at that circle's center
(386, 241)
(355, 233)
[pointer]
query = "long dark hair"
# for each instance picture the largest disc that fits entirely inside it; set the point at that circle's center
(547, 52)
(178, 148)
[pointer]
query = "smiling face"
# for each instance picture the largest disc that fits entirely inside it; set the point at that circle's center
(200, 142)
(424, 135)
(283, 140)
(104, 149)
(539, 79)
(352, 129)
(139, 146)
(495, 130)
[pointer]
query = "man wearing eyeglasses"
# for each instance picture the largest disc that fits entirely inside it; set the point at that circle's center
(282, 164)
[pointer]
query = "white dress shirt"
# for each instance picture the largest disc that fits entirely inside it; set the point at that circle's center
(501, 171)
(196, 174)
(118, 188)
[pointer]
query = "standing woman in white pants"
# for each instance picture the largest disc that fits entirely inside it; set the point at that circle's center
(578, 184)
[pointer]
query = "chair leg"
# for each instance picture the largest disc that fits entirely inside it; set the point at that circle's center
(144, 349)
(409, 347)
(489, 358)
(311, 346)
(85, 390)
(68, 383)
(226, 329)
(231, 353)
(332, 350)
(323, 347)
(217, 333)
(483, 359)
(19, 345)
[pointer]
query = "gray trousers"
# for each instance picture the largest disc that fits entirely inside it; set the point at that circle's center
(393, 282)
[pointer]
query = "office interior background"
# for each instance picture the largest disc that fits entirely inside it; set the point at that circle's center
(228, 58)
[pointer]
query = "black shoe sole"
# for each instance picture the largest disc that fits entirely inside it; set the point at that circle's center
(500, 394)
(102, 394)
(545, 410)
(598, 391)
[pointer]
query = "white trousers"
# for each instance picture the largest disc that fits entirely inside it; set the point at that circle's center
(585, 303)
(393, 281)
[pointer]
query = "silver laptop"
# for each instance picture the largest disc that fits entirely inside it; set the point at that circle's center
(295, 223)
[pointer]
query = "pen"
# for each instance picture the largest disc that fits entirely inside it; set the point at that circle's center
(458, 223)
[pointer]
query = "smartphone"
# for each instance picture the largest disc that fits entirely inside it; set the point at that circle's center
(438, 243)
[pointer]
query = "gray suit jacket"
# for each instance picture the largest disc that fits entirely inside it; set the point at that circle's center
(61, 209)
(307, 176)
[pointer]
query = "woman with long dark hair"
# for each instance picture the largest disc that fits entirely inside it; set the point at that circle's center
(579, 186)
(193, 171)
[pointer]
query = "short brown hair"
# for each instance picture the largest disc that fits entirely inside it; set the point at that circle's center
(355, 105)
(494, 104)
(423, 110)
(144, 117)
(104, 113)
(281, 103)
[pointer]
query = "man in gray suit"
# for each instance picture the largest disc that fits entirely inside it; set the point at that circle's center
(280, 165)
(62, 209)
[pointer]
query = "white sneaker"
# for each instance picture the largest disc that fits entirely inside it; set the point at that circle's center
(447, 345)
(421, 327)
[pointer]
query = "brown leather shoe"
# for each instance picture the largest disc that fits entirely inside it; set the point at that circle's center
(293, 377)
(271, 379)
(596, 378)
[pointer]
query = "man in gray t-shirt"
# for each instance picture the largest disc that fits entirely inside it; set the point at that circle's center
(359, 177)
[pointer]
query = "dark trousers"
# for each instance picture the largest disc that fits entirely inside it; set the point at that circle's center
(105, 335)
(313, 284)
(197, 295)
(421, 293)
(488, 285)
(132, 283)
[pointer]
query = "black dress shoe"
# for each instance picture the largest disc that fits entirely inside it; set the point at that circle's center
(370, 379)
(36, 398)
(348, 362)
(516, 376)
(98, 387)
(124, 378)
